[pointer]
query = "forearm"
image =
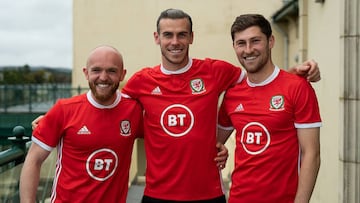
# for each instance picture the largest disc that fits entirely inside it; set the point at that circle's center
(29, 181)
(223, 135)
(308, 173)
(30, 173)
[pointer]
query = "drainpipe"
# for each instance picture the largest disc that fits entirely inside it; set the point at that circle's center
(284, 14)
(286, 44)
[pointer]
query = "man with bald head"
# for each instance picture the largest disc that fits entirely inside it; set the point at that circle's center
(94, 135)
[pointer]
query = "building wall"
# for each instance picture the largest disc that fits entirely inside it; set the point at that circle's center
(315, 34)
(349, 36)
(129, 25)
(324, 46)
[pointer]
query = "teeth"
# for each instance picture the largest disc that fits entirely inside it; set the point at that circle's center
(250, 58)
(175, 51)
(102, 85)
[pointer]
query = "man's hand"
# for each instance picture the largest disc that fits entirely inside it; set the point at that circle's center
(35, 122)
(222, 155)
(309, 69)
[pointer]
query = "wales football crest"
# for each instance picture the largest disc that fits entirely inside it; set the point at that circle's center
(125, 128)
(277, 103)
(197, 86)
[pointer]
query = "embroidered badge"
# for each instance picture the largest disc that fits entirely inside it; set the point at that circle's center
(277, 103)
(197, 86)
(125, 128)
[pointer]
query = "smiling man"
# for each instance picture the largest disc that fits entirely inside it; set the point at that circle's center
(94, 135)
(277, 122)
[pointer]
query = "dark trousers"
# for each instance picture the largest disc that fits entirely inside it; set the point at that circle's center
(147, 199)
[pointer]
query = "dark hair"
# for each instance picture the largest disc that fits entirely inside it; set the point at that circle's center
(245, 21)
(173, 14)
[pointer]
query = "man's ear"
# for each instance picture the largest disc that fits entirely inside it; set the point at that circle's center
(271, 41)
(156, 38)
(192, 37)
(86, 73)
(123, 74)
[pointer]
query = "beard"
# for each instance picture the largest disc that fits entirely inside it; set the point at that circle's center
(258, 66)
(254, 68)
(178, 60)
(104, 97)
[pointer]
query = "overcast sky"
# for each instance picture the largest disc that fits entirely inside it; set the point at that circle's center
(36, 32)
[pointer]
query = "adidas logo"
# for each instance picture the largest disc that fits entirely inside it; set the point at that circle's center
(83, 131)
(239, 107)
(156, 90)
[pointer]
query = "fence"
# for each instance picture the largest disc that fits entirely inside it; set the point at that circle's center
(19, 105)
(34, 97)
(10, 158)
(16, 152)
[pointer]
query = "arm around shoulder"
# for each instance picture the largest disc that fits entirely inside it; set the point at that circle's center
(308, 69)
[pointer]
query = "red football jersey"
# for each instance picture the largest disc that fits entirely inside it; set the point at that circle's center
(267, 154)
(94, 145)
(180, 127)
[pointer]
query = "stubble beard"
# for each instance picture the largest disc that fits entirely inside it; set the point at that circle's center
(258, 66)
(171, 61)
(103, 97)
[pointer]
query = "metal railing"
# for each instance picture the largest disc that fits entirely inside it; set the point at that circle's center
(16, 152)
(10, 159)
(19, 105)
(31, 97)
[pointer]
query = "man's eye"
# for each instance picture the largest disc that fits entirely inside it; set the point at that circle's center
(240, 44)
(167, 35)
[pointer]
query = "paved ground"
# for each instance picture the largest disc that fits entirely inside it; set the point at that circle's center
(135, 194)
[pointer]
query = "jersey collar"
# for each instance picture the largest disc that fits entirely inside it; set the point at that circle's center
(100, 106)
(180, 71)
(267, 80)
